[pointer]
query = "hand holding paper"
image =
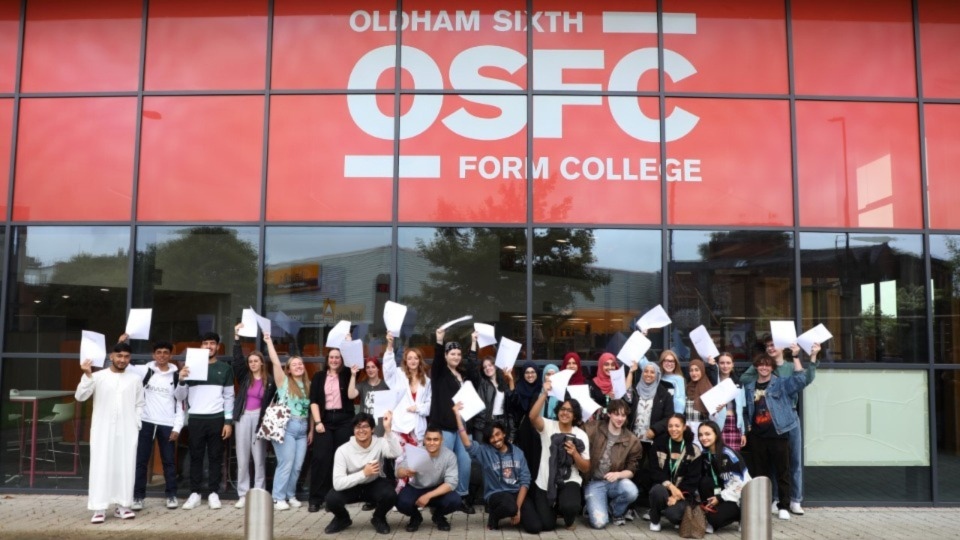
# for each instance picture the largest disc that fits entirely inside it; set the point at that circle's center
(198, 362)
(249, 320)
(703, 343)
(581, 393)
(784, 334)
(472, 404)
(352, 353)
(817, 334)
(559, 382)
(719, 395)
(619, 379)
(338, 333)
(393, 315)
(93, 347)
(507, 354)
(485, 334)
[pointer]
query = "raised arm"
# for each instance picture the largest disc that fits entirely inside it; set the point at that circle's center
(240, 368)
(461, 430)
(535, 419)
(278, 375)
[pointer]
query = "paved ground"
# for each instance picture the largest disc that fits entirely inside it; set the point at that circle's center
(30, 517)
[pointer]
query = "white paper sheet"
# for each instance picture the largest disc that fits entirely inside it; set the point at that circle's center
(498, 404)
(338, 333)
(198, 360)
(403, 420)
(817, 334)
(93, 346)
(383, 402)
(264, 323)
(290, 326)
(655, 318)
(249, 320)
(619, 379)
(507, 353)
(393, 315)
(703, 343)
(634, 349)
(784, 333)
(417, 459)
(472, 404)
(581, 393)
(721, 394)
(352, 353)
(448, 324)
(559, 382)
(485, 334)
(138, 323)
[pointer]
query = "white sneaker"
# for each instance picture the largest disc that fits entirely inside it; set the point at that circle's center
(783, 514)
(192, 502)
(655, 527)
(294, 503)
(241, 502)
(774, 508)
(795, 508)
(172, 503)
(137, 504)
(213, 501)
(281, 505)
(709, 528)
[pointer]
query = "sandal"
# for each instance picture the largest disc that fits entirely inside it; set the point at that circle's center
(124, 513)
(98, 517)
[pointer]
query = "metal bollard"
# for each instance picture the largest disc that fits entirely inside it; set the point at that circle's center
(756, 522)
(258, 516)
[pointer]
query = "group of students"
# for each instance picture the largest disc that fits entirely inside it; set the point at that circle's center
(537, 458)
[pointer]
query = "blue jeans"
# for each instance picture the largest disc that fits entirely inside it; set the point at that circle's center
(601, 495)
(451, 440)
(290, 456)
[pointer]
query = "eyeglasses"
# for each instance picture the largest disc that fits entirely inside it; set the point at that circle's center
(566, 409)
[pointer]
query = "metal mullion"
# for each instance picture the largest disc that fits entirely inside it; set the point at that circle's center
(664, 217)
(528, 323)
(138, 138)
(395, 204)
(261, 227)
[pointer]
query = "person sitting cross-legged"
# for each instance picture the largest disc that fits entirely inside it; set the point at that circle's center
(432, 486)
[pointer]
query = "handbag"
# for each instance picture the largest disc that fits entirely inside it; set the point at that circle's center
(275, 419)
(694, 522)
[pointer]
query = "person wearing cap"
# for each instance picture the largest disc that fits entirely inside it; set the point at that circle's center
(447, 374)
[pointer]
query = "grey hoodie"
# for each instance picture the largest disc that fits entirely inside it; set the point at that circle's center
(351, 458)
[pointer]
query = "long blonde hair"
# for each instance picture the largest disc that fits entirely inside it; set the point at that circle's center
(294, 389)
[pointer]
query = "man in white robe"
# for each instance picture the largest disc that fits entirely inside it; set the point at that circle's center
(117, 404)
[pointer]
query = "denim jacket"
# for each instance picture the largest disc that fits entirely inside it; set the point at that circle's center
(780, 396)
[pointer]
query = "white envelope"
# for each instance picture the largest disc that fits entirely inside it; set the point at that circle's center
(721, 394)
(338, 333)
(383, 402)
(559, 382)
(417, 459)
(581, 393)
(138, 323)
(634, 349)
(249, 320)
(393, 315)
(507, 353)
(352, 353)
(472, 404)
(448, 324)
(485, 334)
(703, 343)
(784, 334)
(198, 360)
(619, 379)
(655, 318)
(817, 334)
(93, 347)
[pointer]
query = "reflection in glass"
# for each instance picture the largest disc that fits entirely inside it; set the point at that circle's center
(589, 285)
(64, 280)
(449, 272)
(868, 291)
(196, 279)
(945, 280)
(946, 387)
(732, 282)
(316, 277)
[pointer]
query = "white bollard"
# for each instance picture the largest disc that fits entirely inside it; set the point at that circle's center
(258, 517)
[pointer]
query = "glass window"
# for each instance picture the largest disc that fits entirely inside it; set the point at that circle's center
(942, 130)
(732, 282)
(81, 46)
(945, 281)
(196, 279)
(738, 47)
(446, 273)
(745, 181)
(6, 139)
(317, 277)
(859, 164)
(481, 176)
(64, 280)
(364, 40)
(75, 159)
(589, 285)
(871, 429)
(939, 42)
(217, 44)
(856, 48)
(946, 387)
(201, 158)
(9, 39)
(464, 45)
(591, 168)
(868, 290)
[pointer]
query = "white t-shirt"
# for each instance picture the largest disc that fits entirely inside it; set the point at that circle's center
(551, 427)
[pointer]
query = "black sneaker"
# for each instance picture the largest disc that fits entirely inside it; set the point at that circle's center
(414, 524)
(380, 525)
(315, 507)
(441, 523)
(337, 525)
(368, 507)
(468, 509)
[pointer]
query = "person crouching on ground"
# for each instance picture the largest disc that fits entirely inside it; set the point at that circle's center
(722, 479)
(675, 472)
(614, 455)
(433, 486)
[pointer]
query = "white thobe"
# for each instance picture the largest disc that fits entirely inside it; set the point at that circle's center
(114, 429)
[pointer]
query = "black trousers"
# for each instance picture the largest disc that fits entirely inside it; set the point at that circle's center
(444, 505)
(339, 429)
(538, 515)
(641, 477)
(379, 493)
(501, 506)
(770, 452)
(206, 436)
(659, 508)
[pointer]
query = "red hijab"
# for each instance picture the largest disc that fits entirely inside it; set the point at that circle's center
(602, 380)
(578, 374)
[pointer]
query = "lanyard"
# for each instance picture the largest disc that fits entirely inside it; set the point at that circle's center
(716, 483)
(675, 463)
